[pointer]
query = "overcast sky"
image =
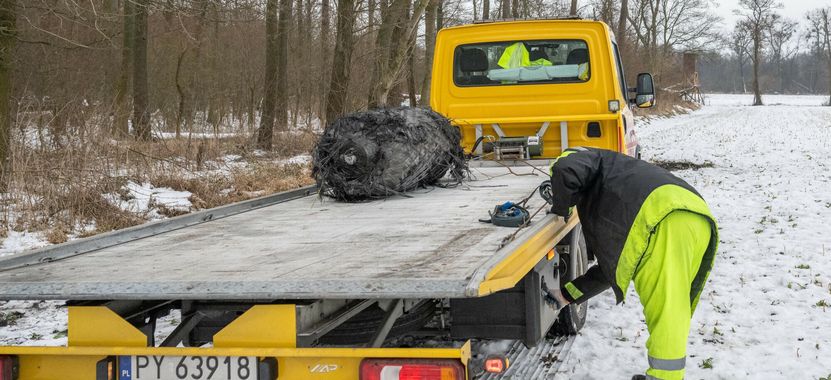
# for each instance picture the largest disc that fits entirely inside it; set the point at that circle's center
(792, 9)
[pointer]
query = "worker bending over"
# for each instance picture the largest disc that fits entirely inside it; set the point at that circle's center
(645, 225)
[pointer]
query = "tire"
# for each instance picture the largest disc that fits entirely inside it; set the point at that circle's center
(572, 318)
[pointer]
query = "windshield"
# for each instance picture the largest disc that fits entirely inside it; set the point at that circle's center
(519, 62)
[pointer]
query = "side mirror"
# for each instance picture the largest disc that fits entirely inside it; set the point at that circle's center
(645, 92)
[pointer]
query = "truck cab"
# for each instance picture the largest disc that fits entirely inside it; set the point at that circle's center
(530, 89)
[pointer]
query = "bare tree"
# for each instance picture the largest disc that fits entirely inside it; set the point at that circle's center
(820, 33)
(758, 15)
(141, 106)
(573, 10)
(429, 48)
(325, 49)
(121, 126)
(621, 26)
(281, 113)
(605, 10)
(339, 84)
(392, 49)
(7, 37)
(779, 36)
(663, 27)
(740, 46)
(486, 9)
(272, 46)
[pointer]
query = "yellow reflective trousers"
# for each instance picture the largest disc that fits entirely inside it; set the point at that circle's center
(663, 281)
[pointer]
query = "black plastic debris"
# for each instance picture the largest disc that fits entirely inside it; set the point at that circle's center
(378, 153)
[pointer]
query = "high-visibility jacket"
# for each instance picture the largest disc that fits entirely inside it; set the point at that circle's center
(517, 55)
(620, 201)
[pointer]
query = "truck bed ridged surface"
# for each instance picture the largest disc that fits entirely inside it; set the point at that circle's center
(426, 246)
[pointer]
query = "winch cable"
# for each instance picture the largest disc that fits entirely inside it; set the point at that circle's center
(527, 223)
(541, 189)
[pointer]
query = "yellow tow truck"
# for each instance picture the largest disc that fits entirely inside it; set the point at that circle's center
(291, 286)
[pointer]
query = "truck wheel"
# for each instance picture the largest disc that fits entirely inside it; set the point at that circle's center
(573, 265)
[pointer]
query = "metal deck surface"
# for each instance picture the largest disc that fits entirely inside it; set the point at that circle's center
(426, 246)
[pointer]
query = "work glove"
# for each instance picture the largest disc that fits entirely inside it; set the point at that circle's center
(553, 297)
(639, 377)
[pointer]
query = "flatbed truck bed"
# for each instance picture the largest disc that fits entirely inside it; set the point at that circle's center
(305, 286)
(427, 244)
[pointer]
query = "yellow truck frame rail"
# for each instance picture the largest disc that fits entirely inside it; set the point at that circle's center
(98, 338)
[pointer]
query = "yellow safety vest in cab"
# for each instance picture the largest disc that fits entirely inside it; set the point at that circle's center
(517, 55)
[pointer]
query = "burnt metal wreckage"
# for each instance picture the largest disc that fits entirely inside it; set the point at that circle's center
(378, 153)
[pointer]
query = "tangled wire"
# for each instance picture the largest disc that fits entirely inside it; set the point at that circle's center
(378, 153)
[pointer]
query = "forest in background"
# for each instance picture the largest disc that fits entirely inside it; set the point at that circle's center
(794, 55)
(200, 65)
(220, 97)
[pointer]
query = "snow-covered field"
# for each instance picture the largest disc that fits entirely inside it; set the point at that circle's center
(766, 311)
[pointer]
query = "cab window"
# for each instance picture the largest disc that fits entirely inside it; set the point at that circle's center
(521, 62)
(621, 76)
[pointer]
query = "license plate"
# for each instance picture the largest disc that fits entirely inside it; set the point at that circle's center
(187, 367)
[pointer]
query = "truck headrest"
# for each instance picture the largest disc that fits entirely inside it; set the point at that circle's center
(537, 54)
(577, 56)
(473, 59)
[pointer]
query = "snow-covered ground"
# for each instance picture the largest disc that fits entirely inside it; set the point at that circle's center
(766, 311)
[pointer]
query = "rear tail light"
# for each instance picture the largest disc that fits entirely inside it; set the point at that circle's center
(9, 368)
(412, 369)
(496, 364)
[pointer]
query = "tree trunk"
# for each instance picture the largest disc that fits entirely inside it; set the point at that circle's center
(7, 35)
(339, 84)
(515, 8)
(121, 117)
(826, 26)
(281, 113)
(266, 130)
(309, 97)
(741, 75)
(391, 16)
(757, 42)
(486, 9)
(573, 10)
(141, 111)
(505, 8)
(385, 79)
(399, 16)
(411, 86)
(621, 26)
(411, 83)
(829, 70)
(653, 36)
(429, 49)
(181, 113)
(325, 60)
(370, 10)
(440, 15)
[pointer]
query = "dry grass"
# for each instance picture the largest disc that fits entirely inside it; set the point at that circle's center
(59, 185)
